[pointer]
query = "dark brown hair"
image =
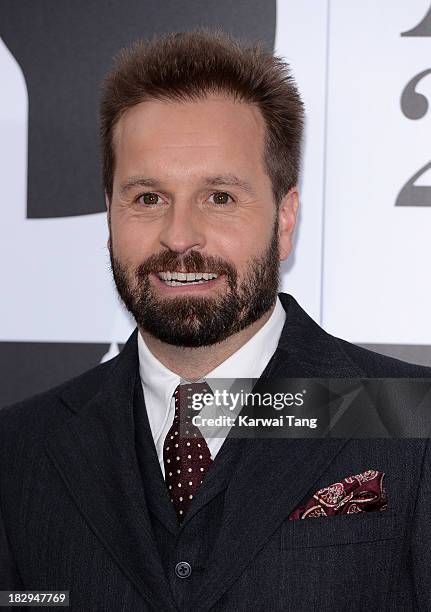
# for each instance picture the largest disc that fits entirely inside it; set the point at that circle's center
(189, 66)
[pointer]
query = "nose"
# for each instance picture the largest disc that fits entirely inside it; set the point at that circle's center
(183, 229)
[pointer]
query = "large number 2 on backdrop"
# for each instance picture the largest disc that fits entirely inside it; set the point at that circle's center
(415, 106)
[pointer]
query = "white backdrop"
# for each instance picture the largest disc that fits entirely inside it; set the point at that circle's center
(361, 264)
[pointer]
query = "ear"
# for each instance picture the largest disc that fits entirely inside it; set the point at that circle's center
(287, 214)
(108, 209)
(108, 203)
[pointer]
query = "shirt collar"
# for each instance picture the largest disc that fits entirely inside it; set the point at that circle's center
(250, 360)
(159, 382)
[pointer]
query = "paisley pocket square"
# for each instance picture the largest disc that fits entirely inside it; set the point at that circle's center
(359, 493)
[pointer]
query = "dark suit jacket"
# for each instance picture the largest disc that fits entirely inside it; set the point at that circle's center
(74, 511)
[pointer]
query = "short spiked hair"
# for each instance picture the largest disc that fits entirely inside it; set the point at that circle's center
(192, 65)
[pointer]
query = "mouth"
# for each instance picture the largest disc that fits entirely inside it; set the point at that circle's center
(185, 279)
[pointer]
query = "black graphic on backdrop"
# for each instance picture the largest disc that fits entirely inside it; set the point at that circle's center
(414, 106)
(64, 49)
(29, 367)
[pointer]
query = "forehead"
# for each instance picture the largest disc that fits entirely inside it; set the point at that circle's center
(215, 130)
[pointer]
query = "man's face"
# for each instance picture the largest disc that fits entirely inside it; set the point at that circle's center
(191, 196)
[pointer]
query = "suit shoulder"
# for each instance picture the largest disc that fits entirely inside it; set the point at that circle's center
(42, 411)
(375, 365)
(326, 354)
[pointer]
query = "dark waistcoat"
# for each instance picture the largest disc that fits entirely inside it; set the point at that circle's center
(194, 540)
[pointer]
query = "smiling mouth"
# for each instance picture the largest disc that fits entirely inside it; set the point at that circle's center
(175, 279)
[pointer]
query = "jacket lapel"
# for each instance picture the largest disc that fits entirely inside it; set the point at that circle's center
(94, 453)
(156, 491)
(274, 475)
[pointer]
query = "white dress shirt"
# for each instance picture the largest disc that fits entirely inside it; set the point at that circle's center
(159, 383)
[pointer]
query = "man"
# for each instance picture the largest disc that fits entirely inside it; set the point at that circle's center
(100, 495)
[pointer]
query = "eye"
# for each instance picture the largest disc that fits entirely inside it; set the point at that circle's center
(220, 198)
(149, 199)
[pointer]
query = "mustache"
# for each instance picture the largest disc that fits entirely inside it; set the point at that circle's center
(194, 261)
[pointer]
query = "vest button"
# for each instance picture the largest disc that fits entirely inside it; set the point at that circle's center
(183, 569)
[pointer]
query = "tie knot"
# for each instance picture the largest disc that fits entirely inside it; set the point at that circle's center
(189, 389)
(184, 395)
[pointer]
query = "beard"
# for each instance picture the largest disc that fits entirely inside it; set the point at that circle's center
(193, 321)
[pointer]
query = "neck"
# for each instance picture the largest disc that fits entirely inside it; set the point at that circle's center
(194, 363)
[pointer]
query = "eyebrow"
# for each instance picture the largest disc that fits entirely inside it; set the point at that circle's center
(221, 180)
(229, 180)
(133, 182)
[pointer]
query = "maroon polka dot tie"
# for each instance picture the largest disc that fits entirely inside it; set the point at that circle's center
(186, 458)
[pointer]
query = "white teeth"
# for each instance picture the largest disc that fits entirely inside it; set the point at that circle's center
(187, 276)
(173, 283)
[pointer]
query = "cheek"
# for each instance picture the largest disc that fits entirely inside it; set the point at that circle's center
(242, 246)
(131, 243)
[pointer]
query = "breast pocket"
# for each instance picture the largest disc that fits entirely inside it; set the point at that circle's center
(342, 529)
(344, 562)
